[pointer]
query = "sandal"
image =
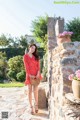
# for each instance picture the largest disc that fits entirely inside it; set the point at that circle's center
(36, 108)
(32, 110)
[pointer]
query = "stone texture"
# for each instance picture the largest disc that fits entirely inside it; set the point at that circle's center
(15, 102)
(69, 61)
(43, 95)
(63, 64)
(71, 98)
(63, 60)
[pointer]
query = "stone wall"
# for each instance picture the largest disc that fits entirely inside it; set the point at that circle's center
(62, 61)
(65, 60)
(53, 30)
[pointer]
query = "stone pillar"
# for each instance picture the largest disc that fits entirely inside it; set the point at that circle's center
(59, 26)
(55, 26)
(51, 44)
(51, 33)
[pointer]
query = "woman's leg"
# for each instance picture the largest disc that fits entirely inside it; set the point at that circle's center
(30, 98)
(30, 94)
(36, 97)
(26, 89)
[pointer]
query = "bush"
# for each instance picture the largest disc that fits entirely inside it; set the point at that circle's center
(11, 74)
(21, 76)
(15, 66)
(41, 65)
(3, 66)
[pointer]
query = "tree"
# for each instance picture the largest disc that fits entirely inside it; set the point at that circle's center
(39, 29)
(9, 41)
(3, 40)
(32, 41)
(74, 26)
(13, 42)
(23, 42)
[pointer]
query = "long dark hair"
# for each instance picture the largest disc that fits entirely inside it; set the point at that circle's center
(35, 53)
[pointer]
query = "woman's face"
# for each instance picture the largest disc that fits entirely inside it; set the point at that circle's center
(32, 49)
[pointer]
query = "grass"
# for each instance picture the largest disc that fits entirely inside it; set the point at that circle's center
(12, 84)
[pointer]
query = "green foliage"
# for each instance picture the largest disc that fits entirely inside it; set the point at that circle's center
(74, 26)
(16, 63)
(3, 40)
(41, 52)
(32, 42)
(23, 42)
(21, 76)
(45, 67)
(45, 42)
(3, 66)
(11, 52)
(3, 55)
(8, 41)
(11, 74)
(41, 65)
(15, 66)
(45, 73)
(12, 84)
(39, 30)
(13, 42)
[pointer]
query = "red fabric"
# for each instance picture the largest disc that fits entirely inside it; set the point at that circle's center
(32, 67)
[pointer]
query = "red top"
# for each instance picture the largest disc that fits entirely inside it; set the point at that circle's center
(32, 67)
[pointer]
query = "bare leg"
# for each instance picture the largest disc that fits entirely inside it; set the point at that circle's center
(30, 94)
(30, 98)
(36, 98)
(25, 90)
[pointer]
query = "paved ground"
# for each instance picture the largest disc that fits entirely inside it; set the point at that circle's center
(14, 103)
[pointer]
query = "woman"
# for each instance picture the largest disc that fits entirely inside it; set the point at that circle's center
(32, 67)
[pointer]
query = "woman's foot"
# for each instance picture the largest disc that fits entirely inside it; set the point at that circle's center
(32, 110)
(36, 108)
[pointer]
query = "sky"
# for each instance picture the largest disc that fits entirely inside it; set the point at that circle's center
(16, 16)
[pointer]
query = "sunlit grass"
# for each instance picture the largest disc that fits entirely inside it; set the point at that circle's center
(12, 84)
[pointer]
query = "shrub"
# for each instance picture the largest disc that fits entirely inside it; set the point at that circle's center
(21, 76)
(15, 66)
(41, 65)
(3, 66)
(11, 74)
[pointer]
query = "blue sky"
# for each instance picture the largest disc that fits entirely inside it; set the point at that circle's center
(16, 15)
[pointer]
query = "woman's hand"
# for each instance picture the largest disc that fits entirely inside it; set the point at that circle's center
(38, 75)
(32, 76)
